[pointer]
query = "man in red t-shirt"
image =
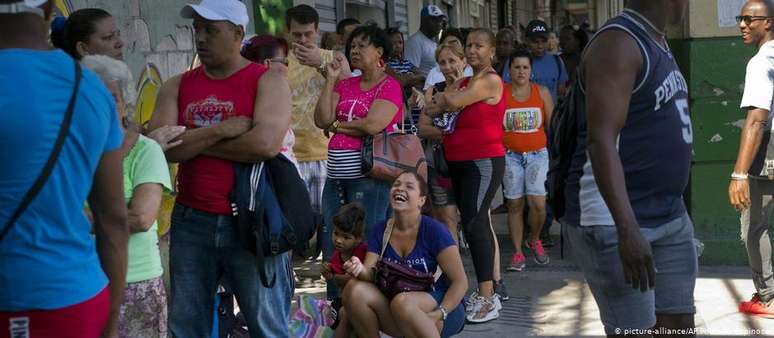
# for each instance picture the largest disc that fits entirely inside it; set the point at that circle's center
(234, 111)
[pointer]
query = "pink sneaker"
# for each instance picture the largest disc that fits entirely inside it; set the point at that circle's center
(541, 257)
(518, 263)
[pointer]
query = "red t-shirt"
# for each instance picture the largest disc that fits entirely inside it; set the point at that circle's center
(205, 182)
(337, 264)
(478, 133)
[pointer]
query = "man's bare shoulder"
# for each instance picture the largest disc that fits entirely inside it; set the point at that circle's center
(612, 49)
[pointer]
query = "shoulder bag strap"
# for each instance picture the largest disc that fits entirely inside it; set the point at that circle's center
(46, 172)
(386, 238)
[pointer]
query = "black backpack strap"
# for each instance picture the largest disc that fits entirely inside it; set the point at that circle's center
(46, 172)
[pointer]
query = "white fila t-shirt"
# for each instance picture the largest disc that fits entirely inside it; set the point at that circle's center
(759, 81)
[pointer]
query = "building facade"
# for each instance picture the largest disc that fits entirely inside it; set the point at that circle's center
(492, 14)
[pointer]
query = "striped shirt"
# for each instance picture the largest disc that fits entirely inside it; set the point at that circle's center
(344, 164)
(400, 66)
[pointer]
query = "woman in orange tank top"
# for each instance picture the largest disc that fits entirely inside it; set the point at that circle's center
(527, 113)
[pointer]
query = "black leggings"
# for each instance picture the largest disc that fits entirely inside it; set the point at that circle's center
(475, 184)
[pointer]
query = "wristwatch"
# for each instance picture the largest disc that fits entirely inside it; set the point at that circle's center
(444, 313)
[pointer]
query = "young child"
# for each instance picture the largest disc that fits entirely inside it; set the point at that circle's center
(349, 225)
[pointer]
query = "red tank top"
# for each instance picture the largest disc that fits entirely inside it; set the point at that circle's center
(524, 121)
(205, 182)
(478, 133)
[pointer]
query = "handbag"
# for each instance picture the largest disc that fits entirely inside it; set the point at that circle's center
(439, 160)
(49, 166)
(393, 278)
(386, 155)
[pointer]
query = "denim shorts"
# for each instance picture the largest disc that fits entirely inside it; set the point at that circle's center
(525, 173)
(595, 249)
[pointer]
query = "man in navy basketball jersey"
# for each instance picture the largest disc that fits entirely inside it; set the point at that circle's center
(625, 212)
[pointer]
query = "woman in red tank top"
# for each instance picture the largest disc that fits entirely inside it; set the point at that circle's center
(527, 113)
(474, 152)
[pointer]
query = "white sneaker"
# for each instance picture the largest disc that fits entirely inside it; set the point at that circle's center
(470, 301)
(484, 310)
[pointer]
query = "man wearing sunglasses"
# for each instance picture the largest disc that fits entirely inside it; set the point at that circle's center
(756, 24)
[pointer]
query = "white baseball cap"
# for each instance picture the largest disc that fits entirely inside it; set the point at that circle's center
(233, 11)
(23, 6)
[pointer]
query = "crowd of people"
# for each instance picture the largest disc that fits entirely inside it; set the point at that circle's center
(482, 105)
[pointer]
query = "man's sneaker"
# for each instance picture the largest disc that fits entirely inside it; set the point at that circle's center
(541, 257)
(518, 263)
(484, 309)
(501, 291)
(758, 308)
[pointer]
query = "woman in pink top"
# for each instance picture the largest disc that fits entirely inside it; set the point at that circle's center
(350, 110)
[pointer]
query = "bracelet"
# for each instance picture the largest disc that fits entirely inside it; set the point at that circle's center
(444, 312)
(334, 126)
(738, 177)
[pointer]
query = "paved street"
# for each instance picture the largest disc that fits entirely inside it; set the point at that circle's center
(555, 301)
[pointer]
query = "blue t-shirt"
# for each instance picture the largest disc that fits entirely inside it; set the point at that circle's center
(49, 257)
(433, 237)
(549, 71)
(506, 75)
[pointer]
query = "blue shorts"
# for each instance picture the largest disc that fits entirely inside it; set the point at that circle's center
(595, 249)
(525, 174)
(455, 321)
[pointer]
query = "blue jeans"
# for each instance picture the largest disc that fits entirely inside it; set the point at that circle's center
(372, 194)
(204, 252)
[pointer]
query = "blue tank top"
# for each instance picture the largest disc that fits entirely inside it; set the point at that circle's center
(655, 144)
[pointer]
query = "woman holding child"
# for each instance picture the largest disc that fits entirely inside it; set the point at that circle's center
(451, 62)
(418, 242)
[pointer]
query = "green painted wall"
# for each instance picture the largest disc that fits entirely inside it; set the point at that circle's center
(714, 69)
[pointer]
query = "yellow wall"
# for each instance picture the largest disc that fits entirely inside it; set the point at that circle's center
(703, 19)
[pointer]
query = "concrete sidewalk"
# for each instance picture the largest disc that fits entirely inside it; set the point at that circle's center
(555, 301)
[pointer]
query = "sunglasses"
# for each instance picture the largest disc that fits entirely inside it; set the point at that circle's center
(748, 19)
